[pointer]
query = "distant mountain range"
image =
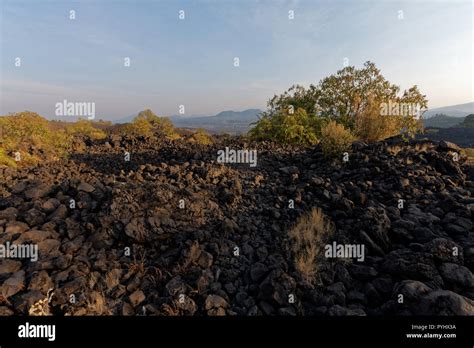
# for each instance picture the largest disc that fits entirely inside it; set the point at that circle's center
(448, 116)
(240, 121)
(459, 110)
(443, 121)
(225, 121)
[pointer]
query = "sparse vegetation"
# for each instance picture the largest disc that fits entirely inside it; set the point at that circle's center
(35, 138)
(137, 127)
(308, 237)
(85, 128)
(42, 306)
(110, 192)
(335, 139)
(200, 136)
(5, 160)
(28, 134)
(138, 265)
(97, 304)
(148, 124)
(112, 279)
(287, 127)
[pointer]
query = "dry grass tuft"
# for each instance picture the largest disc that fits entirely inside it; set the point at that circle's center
(97, 304)
(138, 265)
(112, 278)
(371, 126)
(42, 307)
(307, 237)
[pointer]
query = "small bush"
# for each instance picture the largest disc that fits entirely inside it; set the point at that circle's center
(5, 160)
(201, 137)
(23, 128)
(308, 237)
(335, 139)
(138, 127)
(287, 128)
(164, 126)
(32, 136)
(150, 125)
(371, 126)
(85, 128)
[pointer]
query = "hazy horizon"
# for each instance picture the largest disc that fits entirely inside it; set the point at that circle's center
(190, 61)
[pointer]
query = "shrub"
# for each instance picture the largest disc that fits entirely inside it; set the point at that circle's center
(308, 237)
(85, 128)
(5, 160)
(201, 137)
(164, 126)
(32, 136)
(371, 126)
(148, 124)
(27, 128)
(138, 127)
(335, 139)
(288, 128)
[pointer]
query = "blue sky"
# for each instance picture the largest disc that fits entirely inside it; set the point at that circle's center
(190, 62)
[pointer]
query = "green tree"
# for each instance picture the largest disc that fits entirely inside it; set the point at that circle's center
(342, 97)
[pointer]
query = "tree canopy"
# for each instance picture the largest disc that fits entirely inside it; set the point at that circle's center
(341, 97)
